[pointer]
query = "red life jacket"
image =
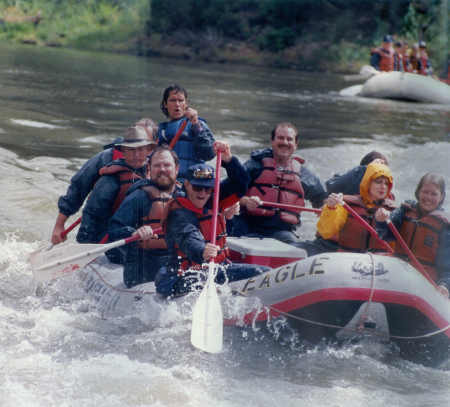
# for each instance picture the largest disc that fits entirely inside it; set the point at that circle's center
(423, 65)
(154, 217)
(355, 238)
(126, 176)
(398, 62)
(281, 185)
(422, 236)
(205, 226)
(117, 154)
(386, 59)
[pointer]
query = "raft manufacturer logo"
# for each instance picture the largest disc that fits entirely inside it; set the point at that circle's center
(286, 273)
(368, 270)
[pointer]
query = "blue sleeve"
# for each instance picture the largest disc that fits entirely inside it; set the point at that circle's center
(182, 229)
(443, 258)
(83, 182)
(98, 210)
(253, 168)
(237, 181)
(203, 141)
(314, 191)
(347, 183)
(375, 60)
(128, 218)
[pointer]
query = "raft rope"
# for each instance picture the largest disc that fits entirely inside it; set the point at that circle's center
(363, 318)
(289, 315)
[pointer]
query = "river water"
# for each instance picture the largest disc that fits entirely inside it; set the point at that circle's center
(58, 108)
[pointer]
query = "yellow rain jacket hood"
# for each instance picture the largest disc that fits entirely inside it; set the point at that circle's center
(331, 221)
(373, 171)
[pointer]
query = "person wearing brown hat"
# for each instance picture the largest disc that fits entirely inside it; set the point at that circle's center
(84, 179)
(115, 180)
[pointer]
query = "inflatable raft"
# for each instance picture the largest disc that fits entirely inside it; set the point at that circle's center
(338, 296)
(402, 86)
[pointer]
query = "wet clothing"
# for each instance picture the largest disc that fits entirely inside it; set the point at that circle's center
(184, 234)
(99, 207)
(382, 59)
(144, 205)
(195, 144)
(276, 226)
(428, 237)
(83, 181)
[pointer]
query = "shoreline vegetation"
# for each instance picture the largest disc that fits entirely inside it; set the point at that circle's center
(310, 35)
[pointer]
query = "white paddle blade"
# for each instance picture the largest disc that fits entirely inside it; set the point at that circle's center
(61, 260)
(207, 319)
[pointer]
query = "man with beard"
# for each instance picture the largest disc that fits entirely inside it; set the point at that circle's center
(140, 213)
(277, 176)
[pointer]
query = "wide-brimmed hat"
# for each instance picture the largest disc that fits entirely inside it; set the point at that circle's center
(201, 175)
(137, 136)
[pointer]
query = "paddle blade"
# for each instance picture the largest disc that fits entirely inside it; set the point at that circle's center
(207, 319)
(61, 259)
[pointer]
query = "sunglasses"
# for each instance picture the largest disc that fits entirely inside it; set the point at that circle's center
(198, 188)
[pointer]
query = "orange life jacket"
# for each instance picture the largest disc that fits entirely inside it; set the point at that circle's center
(353, 236)
(280, 185)
(386, 59)
(423, 65)
(126, 176)
(205, 226)
(154, 217)
(422, 236)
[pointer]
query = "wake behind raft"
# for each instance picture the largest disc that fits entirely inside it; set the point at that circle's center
(336, 296)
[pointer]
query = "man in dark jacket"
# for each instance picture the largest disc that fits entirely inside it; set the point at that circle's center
(140, 213)
(277, 176)
(188, 228)
(115, 180)
(85, 178)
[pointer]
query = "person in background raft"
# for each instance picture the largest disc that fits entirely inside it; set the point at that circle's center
(278, 176)
(398, 56)
(349, 182)
(425, 228)
(140, 213)
(382, 58)
(338, 230)
(115, 180)
(424, 66)
(195, 144)
(188, 228)
(84, 179)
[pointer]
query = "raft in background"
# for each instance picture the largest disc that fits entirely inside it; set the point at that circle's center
(402, 86)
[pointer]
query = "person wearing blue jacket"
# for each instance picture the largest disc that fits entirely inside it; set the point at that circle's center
(195, 144)
(348, 183)
(115, 179)
(188, 229)
(83, 181)
(140, 213)
(277, 176)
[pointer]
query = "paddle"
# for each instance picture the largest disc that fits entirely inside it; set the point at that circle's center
(288, 206)
(207, 317)
(71, 227)
(178, 134)
(408, 251)
(369, 228)
(69, 257)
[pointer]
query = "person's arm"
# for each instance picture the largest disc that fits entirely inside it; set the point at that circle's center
(443, 259)
(98, 210)
(333, 217)
(128, 217)
(182, 229)
(203, 140)
(375, 60)
(314, 191)
(83, 182)
(347, 183)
